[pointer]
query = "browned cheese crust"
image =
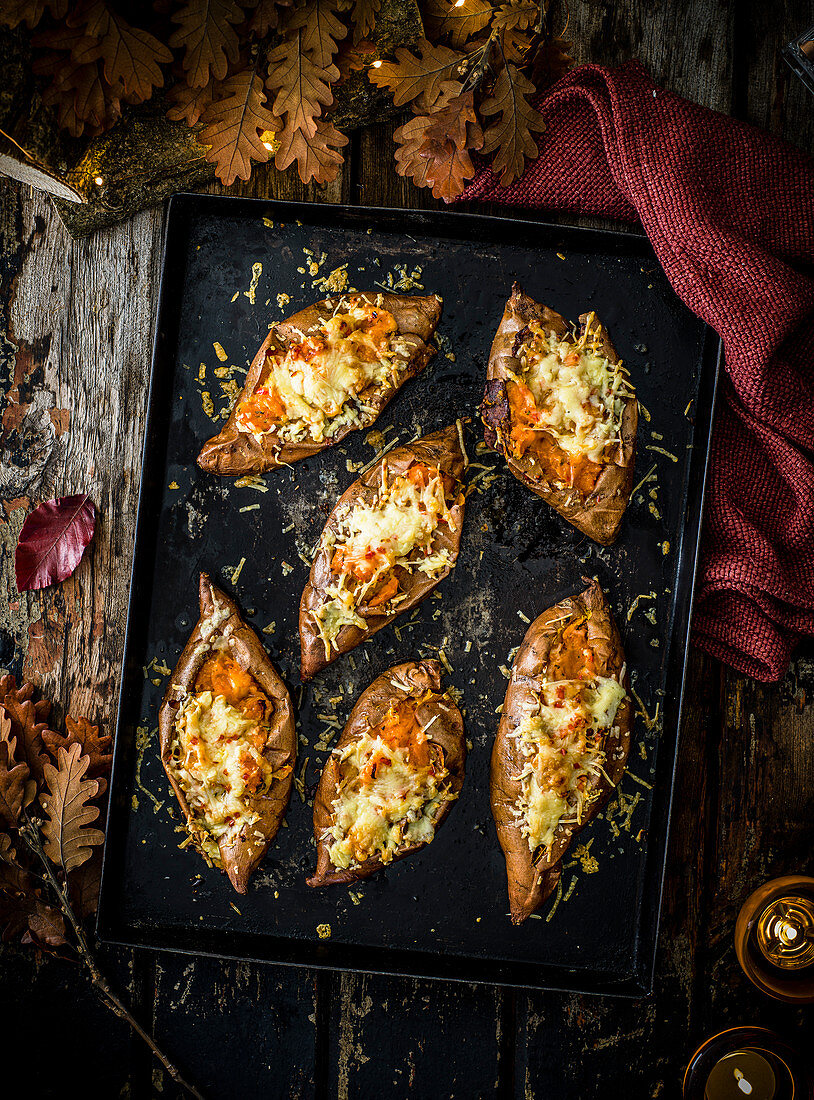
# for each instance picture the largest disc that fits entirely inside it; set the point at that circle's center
(233, 452)
(531, 880)
(441, 449)
(409, 680)
(599, 514)
(242, 855)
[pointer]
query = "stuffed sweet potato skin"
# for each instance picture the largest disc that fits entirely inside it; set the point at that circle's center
(530, 882)
(221, 619)
(409, 680)
(234, 452)
(442, 449)
(598, 515)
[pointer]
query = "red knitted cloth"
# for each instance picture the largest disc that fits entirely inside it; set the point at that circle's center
(728, 210)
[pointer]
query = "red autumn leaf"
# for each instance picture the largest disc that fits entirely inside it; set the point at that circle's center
(53, 539)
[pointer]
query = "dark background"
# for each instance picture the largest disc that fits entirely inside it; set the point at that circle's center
(744, 802)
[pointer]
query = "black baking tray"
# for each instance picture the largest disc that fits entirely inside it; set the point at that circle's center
(443, 912)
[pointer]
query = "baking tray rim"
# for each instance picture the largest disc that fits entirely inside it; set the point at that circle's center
(639, 981)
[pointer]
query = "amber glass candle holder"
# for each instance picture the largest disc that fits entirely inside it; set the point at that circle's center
(774, 938)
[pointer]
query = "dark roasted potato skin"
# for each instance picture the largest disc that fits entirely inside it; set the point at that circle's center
(530, 882)
(442, 449)
(233, 452)
(598, 515)
(241, 858)
(447, 732)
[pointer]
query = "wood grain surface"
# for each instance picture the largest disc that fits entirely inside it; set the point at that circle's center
(75, 336)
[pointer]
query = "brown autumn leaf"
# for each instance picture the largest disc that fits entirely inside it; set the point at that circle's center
(27, 725)
(550, 61)
(84, 884)
(69, 840)
(510, 136)
(46, 926)
(457, 20)
(234, 123)
(418, 76)
(514, 22)
(266, 15)
(97, 747)
(354, 57)
(84, 101)
(363, 18)
(321, 31)
(318, 157)
(8, 853)
(14, 12)
(208, 38)
(301, 87)
(13, 779)
(130, 55)
(188, 104)
(434, 148)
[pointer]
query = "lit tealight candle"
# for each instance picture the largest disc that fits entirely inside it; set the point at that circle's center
(741, 1074)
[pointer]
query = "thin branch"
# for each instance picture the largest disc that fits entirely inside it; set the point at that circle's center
(29, 831)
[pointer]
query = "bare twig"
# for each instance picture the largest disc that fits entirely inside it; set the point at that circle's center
(30, 833)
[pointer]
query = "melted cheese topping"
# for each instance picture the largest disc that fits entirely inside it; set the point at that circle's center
(561, 740)
(577, 395)
(395, 529)
(312, 388)
(387, 799)
(218, 761)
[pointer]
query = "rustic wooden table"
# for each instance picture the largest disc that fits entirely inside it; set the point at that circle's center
(77, 319)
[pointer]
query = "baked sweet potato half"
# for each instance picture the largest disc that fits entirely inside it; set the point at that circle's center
(228, 743)
(391, 780)
(560, 407)
(562, 743)
(323, 372)
(391, 538)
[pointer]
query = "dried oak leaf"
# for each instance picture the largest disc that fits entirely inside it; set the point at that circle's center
(189, 104)
(354, 57)
(131, 56)
(514, 23)
(318, 157)
(97, 747)
(510, 136)
(266, 16)
(301, 87)
(8, 853)
(84, 884)
(28, 724)
(14, 12)
(69, 840)
(85, 102)
(457, 19)
(434, 149)
(208, 38)
(550, 61)
(363, 18)
(46, 926)
(52, 541)
(234, 124)
(417, 76)
(13, 778)
(321, 32)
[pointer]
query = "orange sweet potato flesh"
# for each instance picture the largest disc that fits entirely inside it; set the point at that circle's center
(233, 452)
(532, 876)
(598, 511)
(410, 680)
(441, 450)
(242, 854)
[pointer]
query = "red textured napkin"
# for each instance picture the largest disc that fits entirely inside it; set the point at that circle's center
(728, 209)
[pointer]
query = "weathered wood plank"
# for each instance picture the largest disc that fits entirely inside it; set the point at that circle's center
(236, 1029)
(403, 1038)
